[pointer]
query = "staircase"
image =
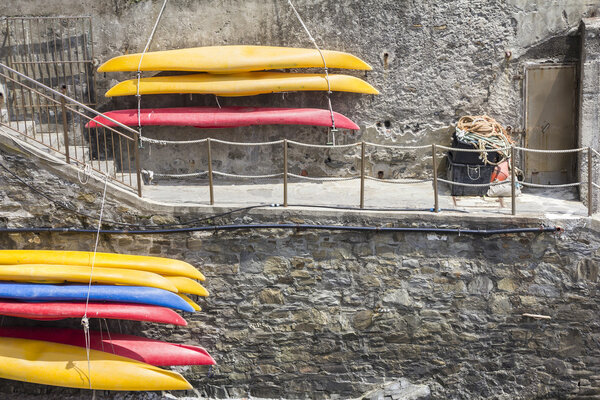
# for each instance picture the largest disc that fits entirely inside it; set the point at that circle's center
(54, 123)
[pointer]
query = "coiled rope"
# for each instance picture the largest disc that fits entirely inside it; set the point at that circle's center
(484, 133)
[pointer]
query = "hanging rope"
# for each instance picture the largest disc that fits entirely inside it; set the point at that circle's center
(85, 320)
(333, 129)
(139, 71)
(484, 133)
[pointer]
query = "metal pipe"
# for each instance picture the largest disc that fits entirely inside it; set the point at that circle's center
(362, 174)
(590, 182)
(513, 181)
(436, 200)
(285, 173)
(65, 130)
(233, 227)
(210, 172)
(51, 62)
(138, 169)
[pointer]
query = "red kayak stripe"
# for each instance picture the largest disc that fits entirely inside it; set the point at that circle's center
(225, 117)
(60, 310)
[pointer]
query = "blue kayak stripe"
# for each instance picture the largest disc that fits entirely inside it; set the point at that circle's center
(125, 294)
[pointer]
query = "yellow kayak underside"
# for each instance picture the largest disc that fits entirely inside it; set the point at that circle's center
(158, 265)
(244, 84)
(187, 285)
(233, 59)
(73, 273)
(191, 302)
(63, 365)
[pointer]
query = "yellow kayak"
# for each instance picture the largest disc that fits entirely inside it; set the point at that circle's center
(244, 84)
(74, 273)
(233, 59)
(158, 265)
(56, 364)
(191, 302)
(187, 285)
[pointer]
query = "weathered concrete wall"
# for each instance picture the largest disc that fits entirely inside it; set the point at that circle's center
(433, 62)
(589, 116)
(314, 314)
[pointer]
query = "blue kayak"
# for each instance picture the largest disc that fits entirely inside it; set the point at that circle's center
(125, 294)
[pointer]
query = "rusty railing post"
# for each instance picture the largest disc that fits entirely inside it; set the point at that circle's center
(136, 155)
(210, 172)
(590, 182)
(285, 173)
(436, 197)
(65, 129)
(513, 181)
(362, 174)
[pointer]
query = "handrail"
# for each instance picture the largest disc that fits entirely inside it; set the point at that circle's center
(67, 106)
(67, 98)
(103, 149)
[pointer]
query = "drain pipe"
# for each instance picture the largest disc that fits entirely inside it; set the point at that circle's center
(234, 227)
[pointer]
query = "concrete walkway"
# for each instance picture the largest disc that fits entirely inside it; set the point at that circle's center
(549, 203)
(539, 203)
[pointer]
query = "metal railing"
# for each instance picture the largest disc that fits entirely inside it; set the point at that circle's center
(52, 121)
(54, 51)
(435, 179)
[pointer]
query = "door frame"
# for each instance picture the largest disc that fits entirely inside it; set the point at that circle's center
(550, 65)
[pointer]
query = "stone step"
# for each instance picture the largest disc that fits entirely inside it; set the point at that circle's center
(81, 153)
(53, 131)
(25, 127)
(105, 166)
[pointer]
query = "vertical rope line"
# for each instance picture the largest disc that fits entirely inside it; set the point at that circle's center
(109, 336)
(324, 63)
(101, 336)
(85, 320)
(139, 70)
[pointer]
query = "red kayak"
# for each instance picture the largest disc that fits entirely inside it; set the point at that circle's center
(150, 351)
(52, 311)
(226, 117)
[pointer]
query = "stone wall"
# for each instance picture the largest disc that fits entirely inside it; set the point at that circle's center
(433, 62)
(318, 314)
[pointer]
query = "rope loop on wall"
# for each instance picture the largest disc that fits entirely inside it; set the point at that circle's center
(324, 65)
(139, 72)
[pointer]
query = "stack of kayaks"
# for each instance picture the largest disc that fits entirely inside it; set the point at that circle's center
(52, 285)
(234, 71)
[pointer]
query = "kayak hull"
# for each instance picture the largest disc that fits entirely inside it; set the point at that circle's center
(125, 294)
(56, 364)
(191, 302)
(158, 265)
(75, 273)
(233, 59)
(149, 351)
(244, 84)
(187, 285)
(225, 117)
(51, 311)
